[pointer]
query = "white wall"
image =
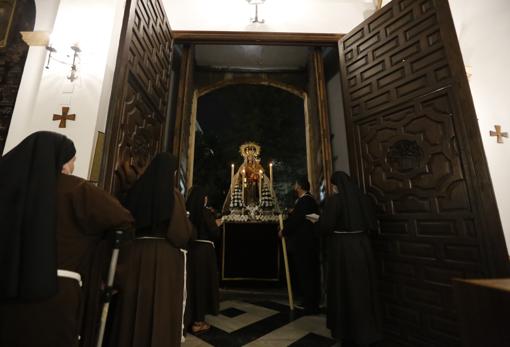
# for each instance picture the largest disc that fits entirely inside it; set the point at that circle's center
(46, 12)
(483, 28)
(309, 16)
(95, 25)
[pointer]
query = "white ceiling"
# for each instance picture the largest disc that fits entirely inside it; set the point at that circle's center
(310, 16)
(251, 57)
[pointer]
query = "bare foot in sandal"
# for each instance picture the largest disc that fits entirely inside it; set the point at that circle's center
(200, 327)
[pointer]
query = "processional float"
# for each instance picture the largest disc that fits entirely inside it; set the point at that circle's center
(252, 198)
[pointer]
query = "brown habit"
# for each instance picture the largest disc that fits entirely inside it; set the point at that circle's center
(84, 213)
(151, 284)
(203, 278)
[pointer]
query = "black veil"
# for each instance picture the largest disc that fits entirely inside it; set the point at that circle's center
(151, 199)
(357, 209)
(28, 178)
(195, 206)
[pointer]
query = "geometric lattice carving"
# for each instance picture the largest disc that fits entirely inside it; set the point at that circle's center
(419, 135)
(402, 117)
(142, 92)
(140, 137)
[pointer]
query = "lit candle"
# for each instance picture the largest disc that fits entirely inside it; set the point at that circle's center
(243, 179)
(232, 186)
(260, 186)
(271, 176)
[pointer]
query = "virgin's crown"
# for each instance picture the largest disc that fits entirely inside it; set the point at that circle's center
(249, 148)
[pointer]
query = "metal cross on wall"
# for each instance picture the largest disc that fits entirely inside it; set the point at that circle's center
(498, 133)
(65, 116)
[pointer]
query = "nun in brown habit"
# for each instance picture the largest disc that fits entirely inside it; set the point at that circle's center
(353, 310)
(203, 270)
(50, 225)
(151, 279)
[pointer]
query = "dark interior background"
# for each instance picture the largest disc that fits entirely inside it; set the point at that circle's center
(230, 116)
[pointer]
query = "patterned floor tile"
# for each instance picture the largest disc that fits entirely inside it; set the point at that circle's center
(193, 341)
(231, 312)
(261, 324)
(252, 315)
(314, 340)
(296, 330)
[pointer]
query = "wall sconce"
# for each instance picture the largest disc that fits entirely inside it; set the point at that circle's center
(76, 54)
(73, 76)
(256, 3)
(51, 50)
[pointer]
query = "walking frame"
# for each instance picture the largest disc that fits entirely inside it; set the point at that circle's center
(119, 236)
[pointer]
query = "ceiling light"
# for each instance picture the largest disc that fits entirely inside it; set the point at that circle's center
(256, 3)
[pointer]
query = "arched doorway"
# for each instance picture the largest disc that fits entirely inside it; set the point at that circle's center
(304, 79)
(279, 89)
(236, 113)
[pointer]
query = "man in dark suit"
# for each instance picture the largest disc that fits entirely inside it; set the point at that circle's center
(303, 246)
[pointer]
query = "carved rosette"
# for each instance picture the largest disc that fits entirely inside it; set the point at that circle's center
(405, 156)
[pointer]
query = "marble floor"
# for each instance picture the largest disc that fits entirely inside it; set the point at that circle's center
(261, 323)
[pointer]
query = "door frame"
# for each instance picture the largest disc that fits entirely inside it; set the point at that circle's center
(199, 92)
(191, 38)
(256, 38)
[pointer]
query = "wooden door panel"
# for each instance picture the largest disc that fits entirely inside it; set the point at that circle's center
(412, 162)
(391, 62)
(139, 103)
(141, 136)
(416, 149)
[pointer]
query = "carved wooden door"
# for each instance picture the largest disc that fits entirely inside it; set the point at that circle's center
(139, 102)
(415, 147)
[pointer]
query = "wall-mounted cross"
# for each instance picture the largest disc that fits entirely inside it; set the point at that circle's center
(65, 116)
(498, 133)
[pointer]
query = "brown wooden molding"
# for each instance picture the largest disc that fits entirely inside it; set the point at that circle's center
(251, 80)
(273, 38)
(183, 97)
(323, 113)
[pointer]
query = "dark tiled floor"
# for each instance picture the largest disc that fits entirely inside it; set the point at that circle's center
(262, 323)
(314, 340)
(232, 312)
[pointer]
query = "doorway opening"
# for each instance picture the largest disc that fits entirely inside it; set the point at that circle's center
(237, 113)
(255, 73)
(272, 95)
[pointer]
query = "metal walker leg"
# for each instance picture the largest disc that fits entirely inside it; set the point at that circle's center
(118, 238)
